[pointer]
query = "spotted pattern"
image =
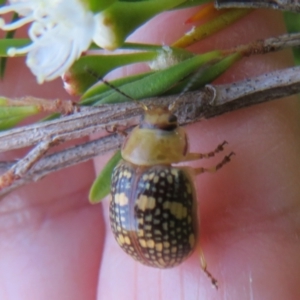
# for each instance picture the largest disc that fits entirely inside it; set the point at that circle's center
(152, 213)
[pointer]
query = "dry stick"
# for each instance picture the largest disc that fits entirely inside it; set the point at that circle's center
(286, 5)
(272, 44)
(206, 103)
(90, 120)
(83, 123)
(93, 119)
(65, 107)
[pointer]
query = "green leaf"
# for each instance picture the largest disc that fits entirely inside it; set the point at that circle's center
(292, 22)
(97, 92)
(189, 3)
(207, 75)
(122, 18)
(96, 5)
(80, 78)
(5, 44)
(9, 35)
(200, 32)
(101, 186)
(11, 116)
(2, 2)
(158, 82)
(51, 117)
(177, 53)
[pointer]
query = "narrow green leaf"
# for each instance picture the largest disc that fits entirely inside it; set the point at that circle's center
(97, 92)
(80, 78)
(51, 117)
(292, 22)
(101, 185)
(205, 76)
(9, 35)
(125, 17)
(200, 32)
(5, 44)
(158, 82)
(178, 53)
(11, 116)
(96, 5)
(189, 3)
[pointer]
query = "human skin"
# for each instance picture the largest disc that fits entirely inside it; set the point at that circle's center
(55, 245)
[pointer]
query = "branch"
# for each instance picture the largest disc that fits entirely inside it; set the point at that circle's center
(209, 102)
(268, 45)
(286, 5)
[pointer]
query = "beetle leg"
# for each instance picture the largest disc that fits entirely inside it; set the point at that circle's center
(194, 156)
(204, 268)
(218, 166)
(115, 129)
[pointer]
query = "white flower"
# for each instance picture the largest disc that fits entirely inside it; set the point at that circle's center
(60, 31)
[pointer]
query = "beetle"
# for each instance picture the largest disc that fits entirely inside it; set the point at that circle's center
(153, 207)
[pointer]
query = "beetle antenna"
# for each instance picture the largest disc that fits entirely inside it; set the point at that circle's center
(91, 72)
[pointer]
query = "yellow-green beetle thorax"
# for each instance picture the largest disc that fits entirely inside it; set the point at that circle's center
(157, 140)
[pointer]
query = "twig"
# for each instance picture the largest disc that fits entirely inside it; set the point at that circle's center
(206, 103)
(268, 45)
(286, 5)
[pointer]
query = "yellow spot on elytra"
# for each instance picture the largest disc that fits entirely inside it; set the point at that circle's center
(121, 199)
(174, 172)
(161, 262)
(145, 177)
(127, 174)
(177, 209)
(166, 244)
(165, 226)
(150, 244)
(141, 233)
(145, 202)
(167, 205)
(155, 179)
(170, 179)
(158, 247)
(174, 249)
(127, 240)
(188, 188)
(151, 175)
(192, 240)
(120, 239)
(148, 218)
(142, 243)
